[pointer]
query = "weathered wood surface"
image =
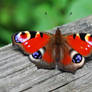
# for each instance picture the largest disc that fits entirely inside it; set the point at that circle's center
(18, 74)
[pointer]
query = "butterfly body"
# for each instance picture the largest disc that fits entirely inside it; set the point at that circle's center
(66, 52)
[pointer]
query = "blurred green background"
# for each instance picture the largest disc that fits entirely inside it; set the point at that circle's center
(20, 15)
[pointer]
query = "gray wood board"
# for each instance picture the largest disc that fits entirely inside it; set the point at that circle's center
(18, 74)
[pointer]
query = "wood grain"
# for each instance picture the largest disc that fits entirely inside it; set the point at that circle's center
(18, 74)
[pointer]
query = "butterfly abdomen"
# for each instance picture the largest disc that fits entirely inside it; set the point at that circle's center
(61, 45)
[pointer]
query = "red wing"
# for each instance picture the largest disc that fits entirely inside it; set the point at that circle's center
(81, 42)
(36, 45)
(30, 41)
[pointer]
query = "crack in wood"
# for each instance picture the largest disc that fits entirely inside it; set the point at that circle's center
(67, 83)
(14, 72)
(40, 82)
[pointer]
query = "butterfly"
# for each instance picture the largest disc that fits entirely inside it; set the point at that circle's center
(65, 52)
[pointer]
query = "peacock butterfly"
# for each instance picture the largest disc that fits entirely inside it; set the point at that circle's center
(67, 52)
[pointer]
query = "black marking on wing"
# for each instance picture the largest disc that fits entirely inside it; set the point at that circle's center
(33, 34)
(74, 36)
(44, 48)
(82, 36)
(41, 34)
(90, 35)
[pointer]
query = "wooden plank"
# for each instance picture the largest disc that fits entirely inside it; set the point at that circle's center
(18, 74)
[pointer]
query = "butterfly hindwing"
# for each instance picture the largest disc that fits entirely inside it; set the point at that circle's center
(72, 61)
(44, 60)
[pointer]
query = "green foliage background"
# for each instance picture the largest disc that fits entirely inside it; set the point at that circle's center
(20, 15)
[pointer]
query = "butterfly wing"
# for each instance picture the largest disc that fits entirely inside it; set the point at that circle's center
(81, 42)
(72, 61)
(80, 47)
(31, 41)
(35, 44)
